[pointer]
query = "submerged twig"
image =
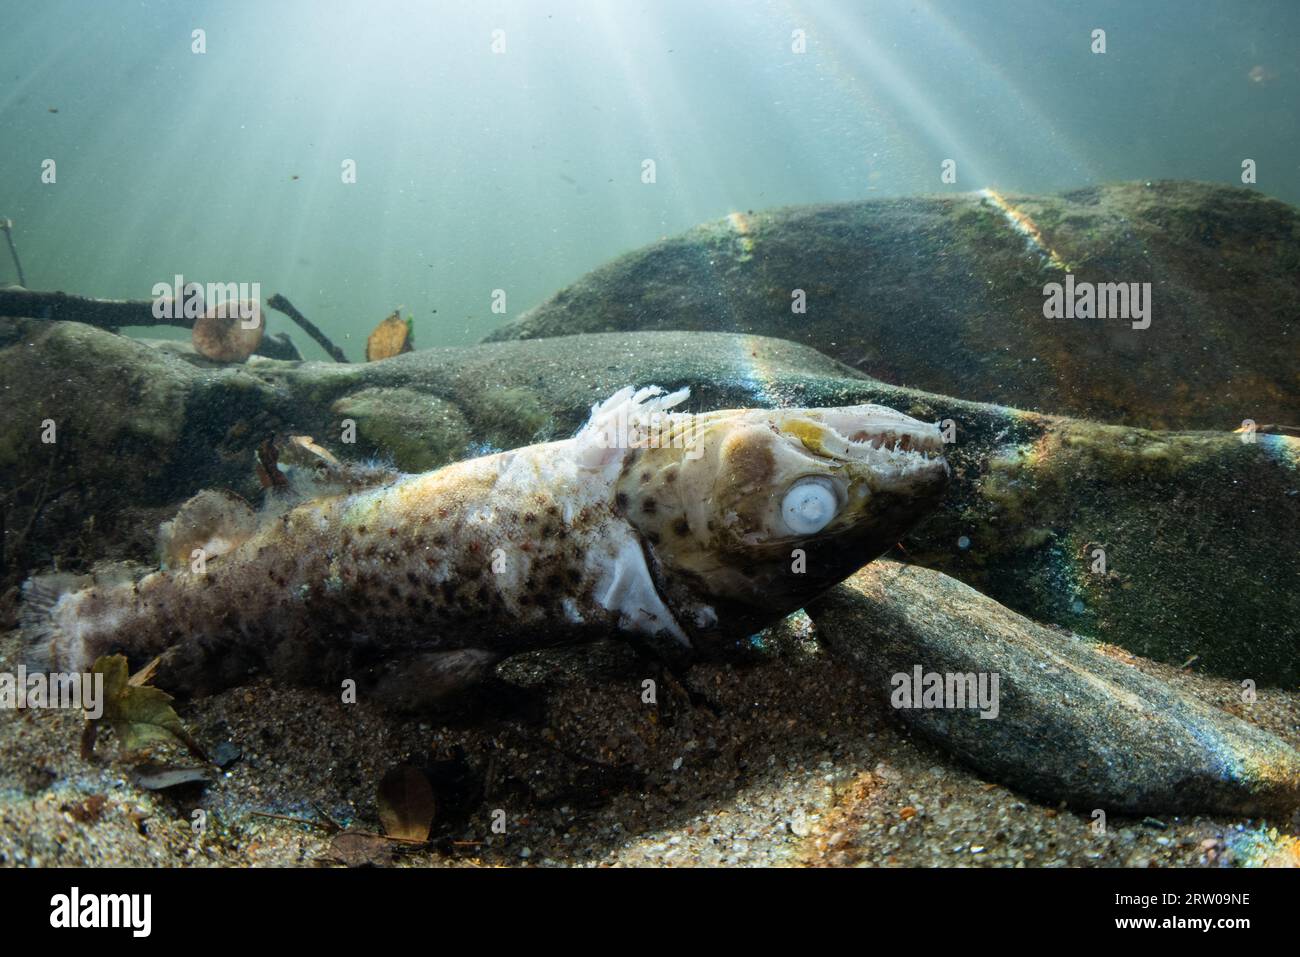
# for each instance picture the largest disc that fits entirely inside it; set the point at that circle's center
(110, 314)
(8, 225)
(280, 304)
(327, 825)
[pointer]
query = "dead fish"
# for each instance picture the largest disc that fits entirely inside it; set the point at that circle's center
(684, 532)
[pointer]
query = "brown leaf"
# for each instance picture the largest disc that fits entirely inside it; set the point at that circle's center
(406, 804)
(392, 337)
(89, 810)
(358, 849)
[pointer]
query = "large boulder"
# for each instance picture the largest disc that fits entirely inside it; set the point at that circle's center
(947, 294)
(1044, 711)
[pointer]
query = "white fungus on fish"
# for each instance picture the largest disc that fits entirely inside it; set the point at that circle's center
(688, 531)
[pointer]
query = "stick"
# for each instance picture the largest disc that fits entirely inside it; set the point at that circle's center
(110, 314)
(7, 225)
(331, 827)
(113, 314)
(280, 304)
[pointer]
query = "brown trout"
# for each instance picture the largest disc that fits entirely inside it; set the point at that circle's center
(685, 531)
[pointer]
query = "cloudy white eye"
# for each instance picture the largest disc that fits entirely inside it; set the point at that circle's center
(809, 506)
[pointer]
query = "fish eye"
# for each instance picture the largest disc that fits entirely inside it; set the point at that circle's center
(809, 506)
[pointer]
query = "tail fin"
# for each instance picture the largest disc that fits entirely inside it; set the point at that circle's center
(48, 646)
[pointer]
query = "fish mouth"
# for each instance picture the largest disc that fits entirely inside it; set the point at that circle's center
(890, 443)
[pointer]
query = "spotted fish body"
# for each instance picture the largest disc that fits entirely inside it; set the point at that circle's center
(690, 530)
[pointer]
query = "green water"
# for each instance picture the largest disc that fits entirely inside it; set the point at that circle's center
(521, 168)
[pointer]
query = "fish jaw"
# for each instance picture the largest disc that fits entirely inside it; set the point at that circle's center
(748, 514)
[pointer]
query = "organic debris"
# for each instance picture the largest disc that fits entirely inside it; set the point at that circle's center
(7, 226)
(281, 304)
(268, 465)
(160, 777)
(406, 808)
(88, 811)
(392, 337)
(229, 332)
(360, 849)
(406, 804)
(139, 715)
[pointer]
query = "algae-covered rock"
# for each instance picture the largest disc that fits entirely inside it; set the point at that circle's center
(138, 395)
(90, 424)
(418, 431)
(947, 294)
(1065, 720)
(512, 415)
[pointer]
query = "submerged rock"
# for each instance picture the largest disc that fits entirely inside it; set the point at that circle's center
(947, 294)
(419, 430)
(1068, 722)
(1174, 545)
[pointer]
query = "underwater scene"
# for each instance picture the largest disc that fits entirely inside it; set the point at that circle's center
(754, 433)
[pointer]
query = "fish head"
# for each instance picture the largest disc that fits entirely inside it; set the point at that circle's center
(751, 513)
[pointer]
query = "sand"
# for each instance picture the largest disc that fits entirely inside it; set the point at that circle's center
(774, 759)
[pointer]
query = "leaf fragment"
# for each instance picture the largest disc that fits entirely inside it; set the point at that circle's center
(162, 777)
(359, 849)
(406, 804)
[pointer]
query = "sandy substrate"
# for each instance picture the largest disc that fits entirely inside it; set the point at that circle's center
(775, 759)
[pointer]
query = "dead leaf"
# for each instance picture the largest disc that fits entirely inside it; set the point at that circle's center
(306, 444)
(138, 714)
(406, 804)
(161, 777)
(392, 337)
(87, 811)
(358, 849)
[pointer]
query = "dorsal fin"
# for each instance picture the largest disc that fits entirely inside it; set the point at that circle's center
(614, 423)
